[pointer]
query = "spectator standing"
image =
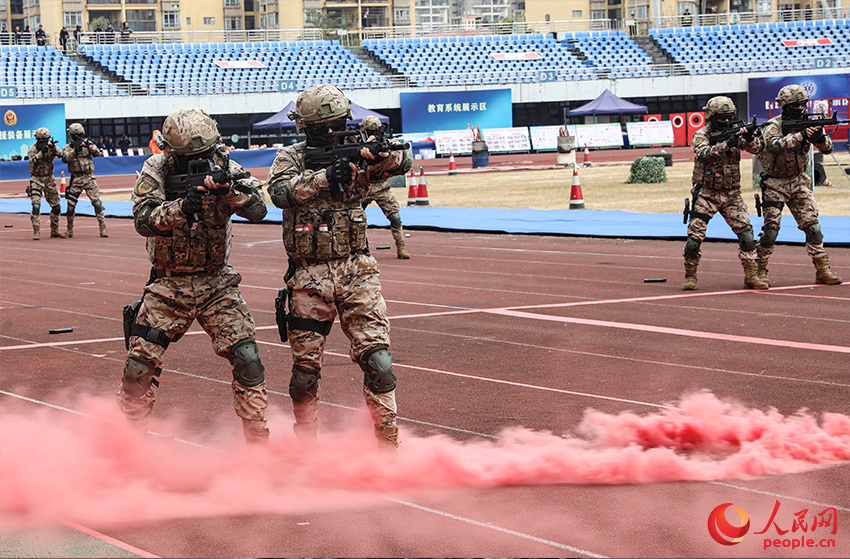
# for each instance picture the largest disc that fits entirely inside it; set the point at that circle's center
(98, 34)
(125, 33)
(687, 19)
(18, 36)
(5, 36)
(152, 145)
(77, 33)
(124, 144)
(63, 39)
(109, 146)
(109, 34)
(808, 12)
(41, 37)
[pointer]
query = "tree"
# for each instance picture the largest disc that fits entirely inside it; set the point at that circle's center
(102, 21)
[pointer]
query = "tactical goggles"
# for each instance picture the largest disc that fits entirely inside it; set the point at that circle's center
(336, 126)
(798, 105)
(724, 116)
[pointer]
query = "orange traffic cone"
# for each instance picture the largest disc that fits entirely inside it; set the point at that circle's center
(587, 162)
(422, 194)
(576, 199)
(413, 189)
(62, 184)
(452, 166)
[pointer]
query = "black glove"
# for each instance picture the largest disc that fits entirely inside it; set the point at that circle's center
(193, 203)
(733, 142)
(339, 176)
(818, 137)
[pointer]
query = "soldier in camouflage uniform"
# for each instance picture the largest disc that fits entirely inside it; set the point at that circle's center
(381, 194)
(785, 180)
(331, 270)
(42, 183)
(717, 188)
(188, 242)
(81, 166)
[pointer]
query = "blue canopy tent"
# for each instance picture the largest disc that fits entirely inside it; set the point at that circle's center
(607, 104)
(280, 120)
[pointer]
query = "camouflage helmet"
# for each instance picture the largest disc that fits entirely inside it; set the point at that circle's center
(189, 131)
(319, 104)
(791, 94)
(720, 105)
(76, 129)
(42, 134)
(370, 123)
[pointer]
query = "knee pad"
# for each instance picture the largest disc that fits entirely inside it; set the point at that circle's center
(692, 248)
(98, 207)
(248, 370)
(395, 220)
(377, 365)
(768, 237)
(304, 385)
(72, 209)
(138, 377)
(813, 234)
(36, 209)
(55, 210)
(746, 240)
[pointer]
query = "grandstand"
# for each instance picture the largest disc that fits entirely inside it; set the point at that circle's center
(549, 72)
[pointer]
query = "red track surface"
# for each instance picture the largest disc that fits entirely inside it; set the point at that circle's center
(594, 336)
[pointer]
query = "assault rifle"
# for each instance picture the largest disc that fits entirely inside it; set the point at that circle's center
(722, 135)
(321, 157)
(810, 121)
(178, 186)
(78, 143)
(45, 146)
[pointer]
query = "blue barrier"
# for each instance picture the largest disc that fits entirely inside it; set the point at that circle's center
(128, 164)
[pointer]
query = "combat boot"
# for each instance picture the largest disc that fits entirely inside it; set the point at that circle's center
(103, 232)
(690, 277)
(401, 251)
(751, 278)
(398, 236)
(308, 430)
(255, 431)
(387, 436)
(762, 270)
(36, 232)
(54, 227)
(824, 274)
(306, 421)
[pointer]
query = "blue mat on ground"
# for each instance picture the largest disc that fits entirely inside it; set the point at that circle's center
(589, 223)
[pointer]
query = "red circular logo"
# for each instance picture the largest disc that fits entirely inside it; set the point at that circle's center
(720, 528)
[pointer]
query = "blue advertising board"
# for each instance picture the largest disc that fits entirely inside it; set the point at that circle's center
(454, 110)
(17, 132)
(762, 92)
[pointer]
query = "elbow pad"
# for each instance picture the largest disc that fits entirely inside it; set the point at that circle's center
(281, 194)
(144, 224)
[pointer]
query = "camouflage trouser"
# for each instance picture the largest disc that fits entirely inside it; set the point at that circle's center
(386, 200)
(172, 304)
(72, 194)
(796, 193)
(347, 287)
(730, 205)
(43, 186)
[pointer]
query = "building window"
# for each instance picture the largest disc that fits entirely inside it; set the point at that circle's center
(171, 20)
(232, 23)
(72, 19)
(188, 21)
(401, 15)
(597, 14)
(231, 3)
(577, 13)
(209, 21)
(142, 20)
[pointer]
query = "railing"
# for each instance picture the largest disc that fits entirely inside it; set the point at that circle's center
(452, 79)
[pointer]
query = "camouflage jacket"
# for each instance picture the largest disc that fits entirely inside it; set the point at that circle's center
(718, 167)
(787, 156)
(80, 163)
(378, 187)
(178, 243)
(315, 225)
(41, 165)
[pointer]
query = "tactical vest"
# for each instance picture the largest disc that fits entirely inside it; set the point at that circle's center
(207, 247)
(42, 167)
(81, 164)
(787, 163)
(324, 231)
(719, 173)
